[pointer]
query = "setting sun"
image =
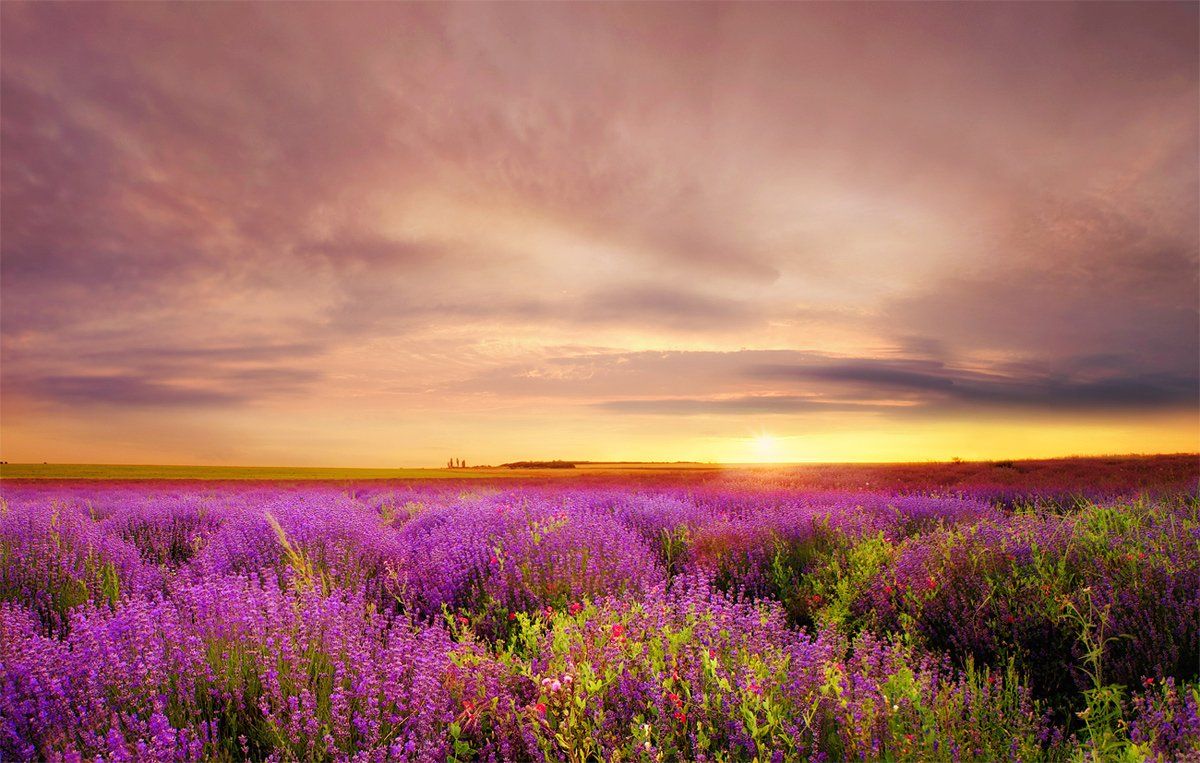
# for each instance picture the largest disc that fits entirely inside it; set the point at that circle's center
(766, 448)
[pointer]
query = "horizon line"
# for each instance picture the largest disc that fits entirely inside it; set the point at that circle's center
(810, 462)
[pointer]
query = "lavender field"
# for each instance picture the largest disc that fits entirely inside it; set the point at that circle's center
(742, 617)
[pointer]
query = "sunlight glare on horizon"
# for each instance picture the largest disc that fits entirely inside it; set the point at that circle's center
(766, 448)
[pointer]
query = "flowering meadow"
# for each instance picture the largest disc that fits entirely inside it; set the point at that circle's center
(730, 617)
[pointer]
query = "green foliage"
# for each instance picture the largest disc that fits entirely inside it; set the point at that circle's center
(1102, 718)
(307, 575)
(673, 544)
(846, 570)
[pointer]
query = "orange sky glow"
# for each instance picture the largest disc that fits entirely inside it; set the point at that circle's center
(392, 234)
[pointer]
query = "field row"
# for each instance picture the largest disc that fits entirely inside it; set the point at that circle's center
(718, 621)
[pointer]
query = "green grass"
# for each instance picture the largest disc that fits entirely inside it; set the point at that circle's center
(139, 472)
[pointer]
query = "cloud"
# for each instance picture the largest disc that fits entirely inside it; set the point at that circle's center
(935, 385)
(753, 208)
(668, 310)
(1089, 279)
(905, 375)
(125, 390)
(373, 254)
(596, 376)
(673, 308)
(164, 377)
(785, 382)
(736, 406)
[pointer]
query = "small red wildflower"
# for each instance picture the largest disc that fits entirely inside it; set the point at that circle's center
(576, 608)
(681, 716)
(512, 616)
(673, 697)
(618, 631)
(540, 708)
(931, 583)
(548, 611)
(1148, 681)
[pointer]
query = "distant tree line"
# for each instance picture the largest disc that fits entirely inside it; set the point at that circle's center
(461, 463)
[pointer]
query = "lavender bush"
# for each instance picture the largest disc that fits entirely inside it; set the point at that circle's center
(566, 621)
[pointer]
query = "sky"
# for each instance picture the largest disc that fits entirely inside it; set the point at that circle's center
(394, 234)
